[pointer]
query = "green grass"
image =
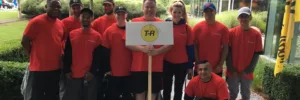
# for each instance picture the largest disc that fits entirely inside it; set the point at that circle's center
(12, 31)
(8, 15)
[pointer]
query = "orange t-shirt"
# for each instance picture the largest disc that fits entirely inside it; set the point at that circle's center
(182, 38)
(216, 88)
(140, 59)
(120, 57)
(46, 44)
(210, 39)
(83, 45)
(102, 23)
(243, 46)
(70, 24)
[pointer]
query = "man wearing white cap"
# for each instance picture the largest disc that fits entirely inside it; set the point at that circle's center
(245, 46)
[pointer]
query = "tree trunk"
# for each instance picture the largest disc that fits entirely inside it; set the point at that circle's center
(91, 5)
(19, 9)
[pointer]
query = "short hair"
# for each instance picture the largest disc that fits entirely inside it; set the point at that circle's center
(201, 62)
(149, 0)
(48, 2)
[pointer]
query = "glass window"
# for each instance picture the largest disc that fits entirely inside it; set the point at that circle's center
(277, 28)
(297, 56)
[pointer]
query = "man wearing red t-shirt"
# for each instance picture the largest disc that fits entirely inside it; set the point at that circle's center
(140, 54)
(245, 47)
(206, 85)
(78, 60)
(211, 40)
(114, 45)
(42, 40)
(72, 22)
(102, 23)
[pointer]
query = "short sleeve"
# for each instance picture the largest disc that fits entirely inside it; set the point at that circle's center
(190, 38)
(189, 90)
(196, 30)
(31, 28)
(225, 36)
(258, 45)
(223, 93)
(105, 39)
(230, 37)
(94, 25)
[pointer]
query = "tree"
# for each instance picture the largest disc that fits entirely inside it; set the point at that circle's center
(187, 2)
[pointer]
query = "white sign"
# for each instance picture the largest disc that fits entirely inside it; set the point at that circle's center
(149, 33)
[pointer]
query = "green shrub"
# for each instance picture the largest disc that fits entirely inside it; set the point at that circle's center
(35, 7)
(188, 9)
(259, 73)
(285, 86)
(12, 51)
(194, 21)
(11, 75)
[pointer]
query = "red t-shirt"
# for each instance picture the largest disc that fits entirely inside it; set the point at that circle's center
(46, 44)
(210, 39)
(120, 57)
(182, 38)
(243, 46)
(83, 45)
(140, 59)
(70, 24)
(216, 88)
(102, 23)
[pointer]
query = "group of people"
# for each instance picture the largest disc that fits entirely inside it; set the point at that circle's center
(83, 51)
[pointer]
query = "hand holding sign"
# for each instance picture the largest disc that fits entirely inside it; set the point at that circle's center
(149, 34)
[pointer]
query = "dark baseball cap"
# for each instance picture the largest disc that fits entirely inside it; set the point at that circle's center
(209, 5)
(75, 2)
(108, 1)
(88, 10)
(120, 9)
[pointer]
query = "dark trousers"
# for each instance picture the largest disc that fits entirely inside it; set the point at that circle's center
(118, 88)
(170, 70)
(100, 88)
(45, 85)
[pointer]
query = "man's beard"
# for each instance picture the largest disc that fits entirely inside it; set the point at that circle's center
(85, 26)
(109, 13)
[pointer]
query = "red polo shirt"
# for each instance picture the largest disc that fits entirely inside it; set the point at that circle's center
(70, 23)
(140, 59)
(46, 44)
(120, 57)
(102, 23)
(243, 46)
(216, 88)
(210, 39)
(83, 45)
(182, 38)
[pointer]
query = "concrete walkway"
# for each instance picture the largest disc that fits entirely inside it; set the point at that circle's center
(10, 20)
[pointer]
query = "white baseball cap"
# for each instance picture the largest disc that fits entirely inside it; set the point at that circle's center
(244, 10)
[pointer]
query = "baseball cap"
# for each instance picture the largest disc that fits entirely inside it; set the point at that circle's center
(88, 10)
(108, 1)
(120, 9)
(75, 2)
(209, 5)
(244, 10)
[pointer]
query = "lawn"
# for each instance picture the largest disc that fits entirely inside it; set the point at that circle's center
(11, 31)
(5, 15)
